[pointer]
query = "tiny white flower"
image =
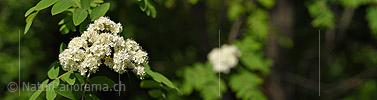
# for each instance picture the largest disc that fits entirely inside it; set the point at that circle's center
(140, 70)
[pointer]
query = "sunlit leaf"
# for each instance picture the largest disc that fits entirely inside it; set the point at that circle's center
(50, 90)
(158, 77)
(61, 6)
(53, 72)
(69, 78)
(79, 16)
(85, 4)
(29, 21)
(28, 12)
(39, 91)
(44, 4)
(99, 11)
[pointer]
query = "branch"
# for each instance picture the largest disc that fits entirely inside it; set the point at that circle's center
(58, 77)
(77, 5)
(83, 92)
(235, 28)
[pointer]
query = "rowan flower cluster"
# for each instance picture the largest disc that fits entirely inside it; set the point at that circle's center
(101, 44)
(224, 58)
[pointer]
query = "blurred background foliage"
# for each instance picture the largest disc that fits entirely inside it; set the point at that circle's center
(278, 40)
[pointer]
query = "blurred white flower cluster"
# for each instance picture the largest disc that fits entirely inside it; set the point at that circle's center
(224, 58)
(101, 44)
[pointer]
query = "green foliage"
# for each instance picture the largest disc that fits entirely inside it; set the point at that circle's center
(60, 6)
(159, 77)
(200, 77)
(28, 12)
(102, 80)
(54, 70)
(254, 62)
(79, 16)
(39, 91)
(323, 16)
(193, 1)
(258, 23)
(99, 11)
(371, 17)
(246, 85)
(50, 90)
(235, 9)
(85, 4)
(355, 3)
(147, 7)
(76, 12)
(68, 92)
(69, 78)
(155, 93)
(364, 92)
(156, 86)
(267, 3)
(29, 21)
(81, 79)
(44, 4)
(149, 84)
(62, 47)
(67, 25)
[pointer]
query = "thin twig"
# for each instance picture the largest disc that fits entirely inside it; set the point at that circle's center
(83, 92)
(58, 77)
(235, 28)
(77, 4)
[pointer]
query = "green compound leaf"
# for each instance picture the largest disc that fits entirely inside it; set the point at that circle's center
(246, 85)
(53, 72)
(99, 11)
(62, 47)
(70, 92)
(44, 4)
(85, 4)
(254, 62)
(202, 78)
(79, 16)
(29, 21)
(69, 78)
(61, 6)
(158, 77)
(259, 25)
(28, 12)
(323, 16)
(39, 91)
(149, 84)
(102, 81)
(50, 90)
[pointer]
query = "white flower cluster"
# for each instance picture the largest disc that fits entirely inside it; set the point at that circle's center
(224, 59)
(101, 44)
